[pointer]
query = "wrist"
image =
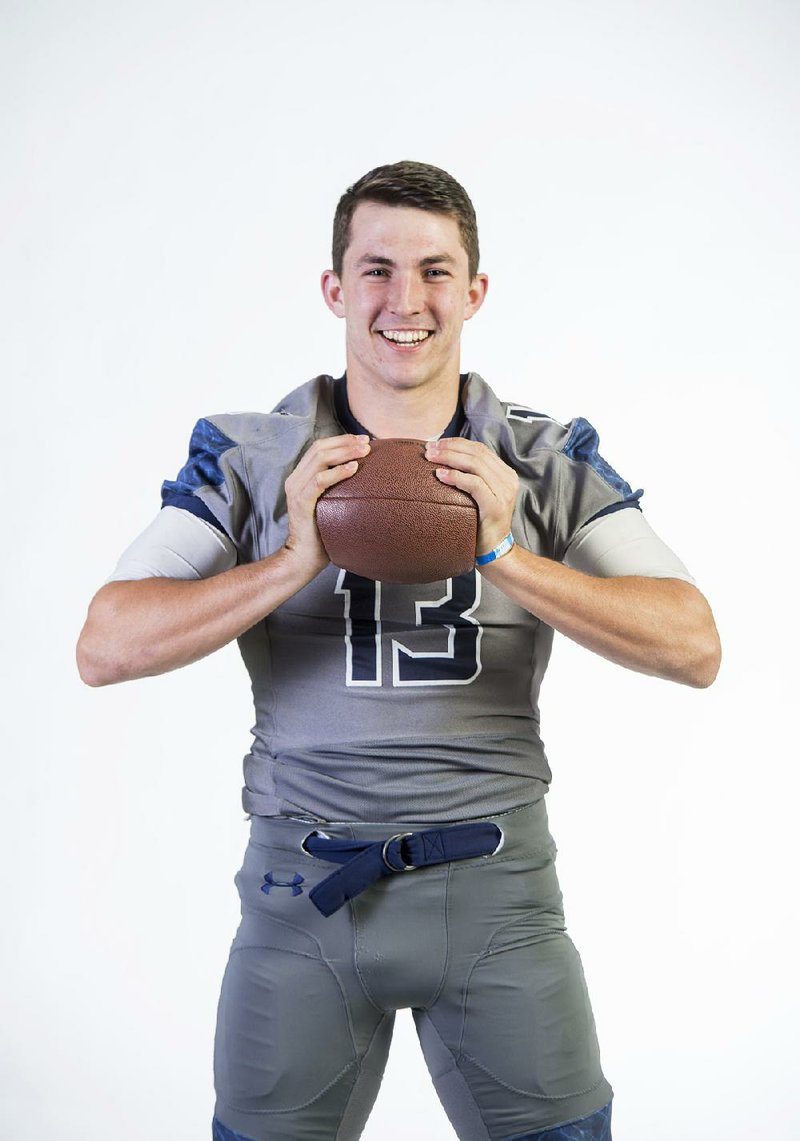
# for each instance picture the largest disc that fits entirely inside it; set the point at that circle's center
(500, 549)
(298, 565)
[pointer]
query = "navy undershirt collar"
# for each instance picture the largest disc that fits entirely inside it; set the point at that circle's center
(350, 424)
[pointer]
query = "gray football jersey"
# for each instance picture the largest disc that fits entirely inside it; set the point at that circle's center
(380, 701)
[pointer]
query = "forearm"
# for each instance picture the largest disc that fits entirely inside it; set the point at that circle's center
(653, 625)
(153, 625)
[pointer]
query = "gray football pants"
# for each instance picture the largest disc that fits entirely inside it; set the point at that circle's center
(476, 948)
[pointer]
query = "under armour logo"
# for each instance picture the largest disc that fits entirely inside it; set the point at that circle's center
(294, 883)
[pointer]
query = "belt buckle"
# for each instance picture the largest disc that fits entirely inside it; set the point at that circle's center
(308, 835)
(391, 867)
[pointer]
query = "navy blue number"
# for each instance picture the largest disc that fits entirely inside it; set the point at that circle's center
(459, 663)
(362, 616)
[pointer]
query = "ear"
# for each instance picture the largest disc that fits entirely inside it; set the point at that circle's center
(476, 295)
(332, 292)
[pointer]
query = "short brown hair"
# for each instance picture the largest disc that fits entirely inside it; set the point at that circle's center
(408, 184)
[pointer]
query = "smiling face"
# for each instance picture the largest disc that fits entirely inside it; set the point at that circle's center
(405, 293)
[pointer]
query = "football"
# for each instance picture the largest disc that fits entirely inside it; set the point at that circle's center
(394, 521)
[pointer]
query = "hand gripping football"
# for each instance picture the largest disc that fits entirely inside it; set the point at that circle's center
(394, 521)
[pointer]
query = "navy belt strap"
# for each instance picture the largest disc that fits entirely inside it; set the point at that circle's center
(366, 861)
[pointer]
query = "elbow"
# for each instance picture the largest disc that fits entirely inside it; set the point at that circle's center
(98, 654)
(90, 672)
(96, 667)
(87, 671)
(702, 648)
(702, 671)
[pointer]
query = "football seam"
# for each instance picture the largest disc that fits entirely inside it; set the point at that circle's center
(400, 499)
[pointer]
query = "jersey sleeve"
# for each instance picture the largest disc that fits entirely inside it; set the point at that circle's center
(212, 485)
(623, 543)
(587, 486)
(177, 544)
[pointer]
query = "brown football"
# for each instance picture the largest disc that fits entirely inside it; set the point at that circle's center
(394, 521)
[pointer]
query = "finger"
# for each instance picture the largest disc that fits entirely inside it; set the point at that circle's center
(303, 495)
(494, 514)
(469, 455)
(494, 487)
(329, 477)
(472, 483)
(327, 443)
(457, 446)
(318, 460)
(334, 450)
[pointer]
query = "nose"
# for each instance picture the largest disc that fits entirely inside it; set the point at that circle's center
(407, 295)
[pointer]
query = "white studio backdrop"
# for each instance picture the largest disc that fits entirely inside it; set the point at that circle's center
(168, 177)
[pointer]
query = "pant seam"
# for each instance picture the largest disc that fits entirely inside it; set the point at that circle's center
(322, 960)
(528, 1093)
(454, 1058)
(446, 924)
(361, 1065)
(292, 1108)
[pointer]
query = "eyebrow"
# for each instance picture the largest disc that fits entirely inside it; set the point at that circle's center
(432, 259)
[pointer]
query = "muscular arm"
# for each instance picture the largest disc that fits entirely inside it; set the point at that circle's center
(659, 626)
(153, 625)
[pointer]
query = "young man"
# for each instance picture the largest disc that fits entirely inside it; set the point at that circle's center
(397, 726)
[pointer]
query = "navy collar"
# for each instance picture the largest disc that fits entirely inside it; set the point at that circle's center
(350, 424)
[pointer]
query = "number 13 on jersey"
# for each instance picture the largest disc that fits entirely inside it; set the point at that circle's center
(459, 663)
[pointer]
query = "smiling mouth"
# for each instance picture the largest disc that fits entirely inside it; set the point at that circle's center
(406, 338)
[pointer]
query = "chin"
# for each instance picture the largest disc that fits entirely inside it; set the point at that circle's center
(408, 378)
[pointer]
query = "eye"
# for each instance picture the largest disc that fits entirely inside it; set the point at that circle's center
(437, 273)
(378, 272)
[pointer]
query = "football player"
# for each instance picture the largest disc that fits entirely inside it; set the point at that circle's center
(399, 854)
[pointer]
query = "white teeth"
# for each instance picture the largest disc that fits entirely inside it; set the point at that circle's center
(405, 336)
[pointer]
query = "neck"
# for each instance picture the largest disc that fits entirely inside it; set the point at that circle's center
(416, 413)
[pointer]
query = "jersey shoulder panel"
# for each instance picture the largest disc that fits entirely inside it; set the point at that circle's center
(565, 480)
(237, 463)
(514, 430)
(199, 486)
(307, 410)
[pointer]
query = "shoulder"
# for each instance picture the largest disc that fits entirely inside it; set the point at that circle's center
(520, 430)
(238, 461)
(305, 412)
(533, 442)
(219, 443)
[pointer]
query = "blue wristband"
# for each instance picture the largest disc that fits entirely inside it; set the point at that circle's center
(497, 552)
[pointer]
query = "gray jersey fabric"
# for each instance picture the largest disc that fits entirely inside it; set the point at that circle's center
(384, 702)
